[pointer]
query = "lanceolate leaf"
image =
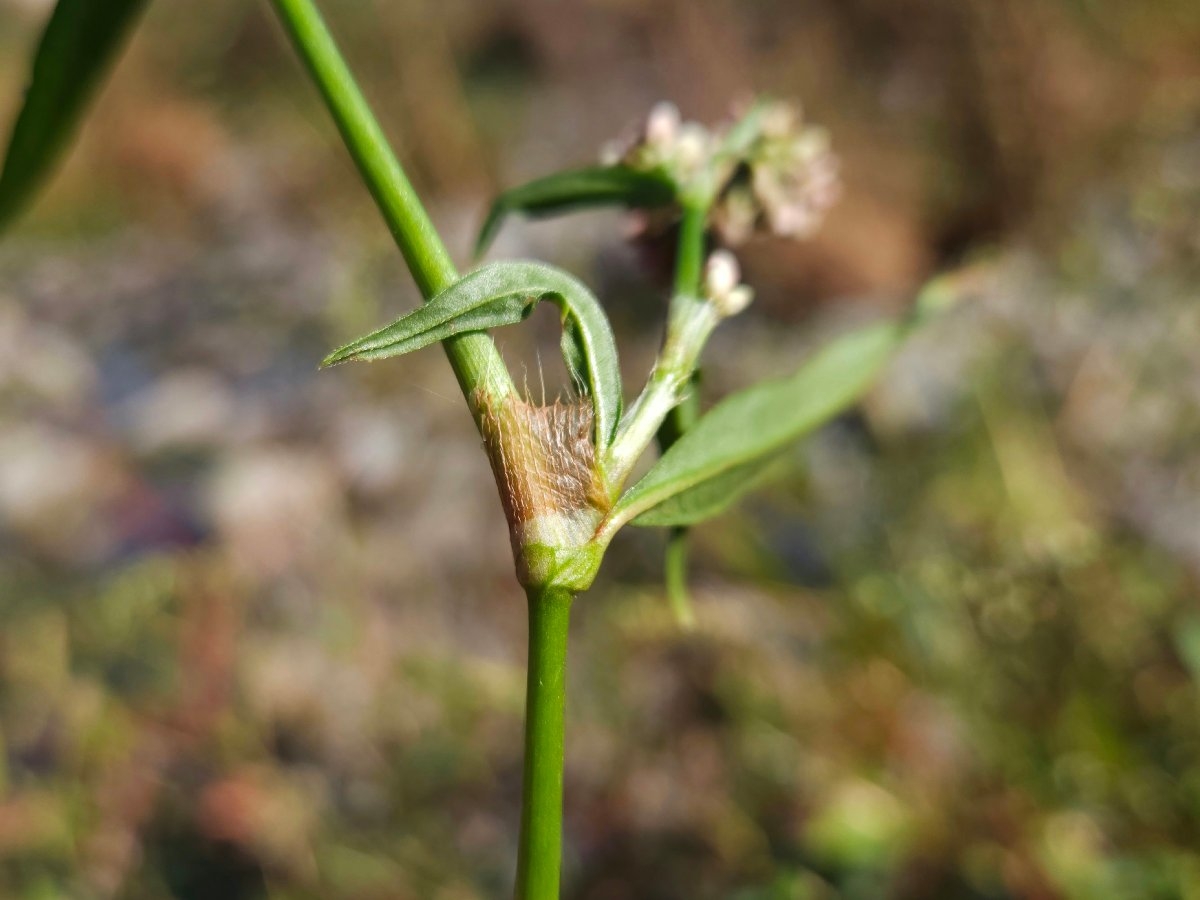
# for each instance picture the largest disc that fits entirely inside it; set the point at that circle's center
(504, 293)
(77, 46)
(713, 496)
(579, 189)
(730, 448)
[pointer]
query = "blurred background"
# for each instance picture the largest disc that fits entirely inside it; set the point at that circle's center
(259, 632)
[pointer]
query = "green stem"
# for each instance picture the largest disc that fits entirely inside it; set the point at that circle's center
(689, 270)
(474, 357)
(675, 575)
(690, 320)
(540, 854)
(689, 257)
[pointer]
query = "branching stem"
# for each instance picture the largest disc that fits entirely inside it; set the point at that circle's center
(690, 320)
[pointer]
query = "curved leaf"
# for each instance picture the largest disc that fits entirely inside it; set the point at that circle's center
(81, 39)
(730, 448)
(504, 293)
(578, 189)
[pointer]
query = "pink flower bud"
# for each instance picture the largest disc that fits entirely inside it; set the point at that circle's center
(662, 126)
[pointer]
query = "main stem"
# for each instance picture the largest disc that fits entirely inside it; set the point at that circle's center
(540, 854)
(475, 359)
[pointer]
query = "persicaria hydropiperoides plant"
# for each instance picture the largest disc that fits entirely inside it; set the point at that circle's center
(562, 468)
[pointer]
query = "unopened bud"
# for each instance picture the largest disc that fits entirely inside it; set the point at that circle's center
(662, 126)
(811, 144)
(779, 120)
(722, 285)
(721, 274)
(692, 149)
(796, 219)
(735, 301)
(736, 215)
(612, 153)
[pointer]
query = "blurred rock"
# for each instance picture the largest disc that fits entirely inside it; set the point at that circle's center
(42, 360)
(182, 409)
(275, 508)
(52, 484)
(374, 447)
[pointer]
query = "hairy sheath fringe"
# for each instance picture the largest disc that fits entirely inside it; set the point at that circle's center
(544, 460)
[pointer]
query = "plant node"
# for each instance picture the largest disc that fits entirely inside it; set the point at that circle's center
(544, 461)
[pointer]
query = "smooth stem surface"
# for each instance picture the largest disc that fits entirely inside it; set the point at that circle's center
(475, 359)
(675, 572)
(689, 256)
(540, 854)
(690, 320)
(689, 270)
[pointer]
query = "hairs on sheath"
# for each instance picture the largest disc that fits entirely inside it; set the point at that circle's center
(543, 457)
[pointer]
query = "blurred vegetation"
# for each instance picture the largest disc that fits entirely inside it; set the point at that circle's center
(954, 654)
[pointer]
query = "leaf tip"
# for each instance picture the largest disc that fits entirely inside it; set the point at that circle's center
(337, 357)
(489, 229)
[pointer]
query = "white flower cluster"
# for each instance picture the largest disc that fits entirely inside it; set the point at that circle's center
(788, 180)
(782, 180)
(665, 142)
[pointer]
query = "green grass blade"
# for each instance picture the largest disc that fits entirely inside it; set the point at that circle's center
(76, 49)
(578, 189)
(731, 448)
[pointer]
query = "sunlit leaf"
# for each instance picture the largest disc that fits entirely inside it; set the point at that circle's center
(505, 293)
(79, 43)
(713, 496)
(731, 448)
(579, 189)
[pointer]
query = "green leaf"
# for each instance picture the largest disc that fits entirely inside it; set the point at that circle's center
(505, 293)
(731, 448)
(712, 497)
(81, 39)
(578, 189)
